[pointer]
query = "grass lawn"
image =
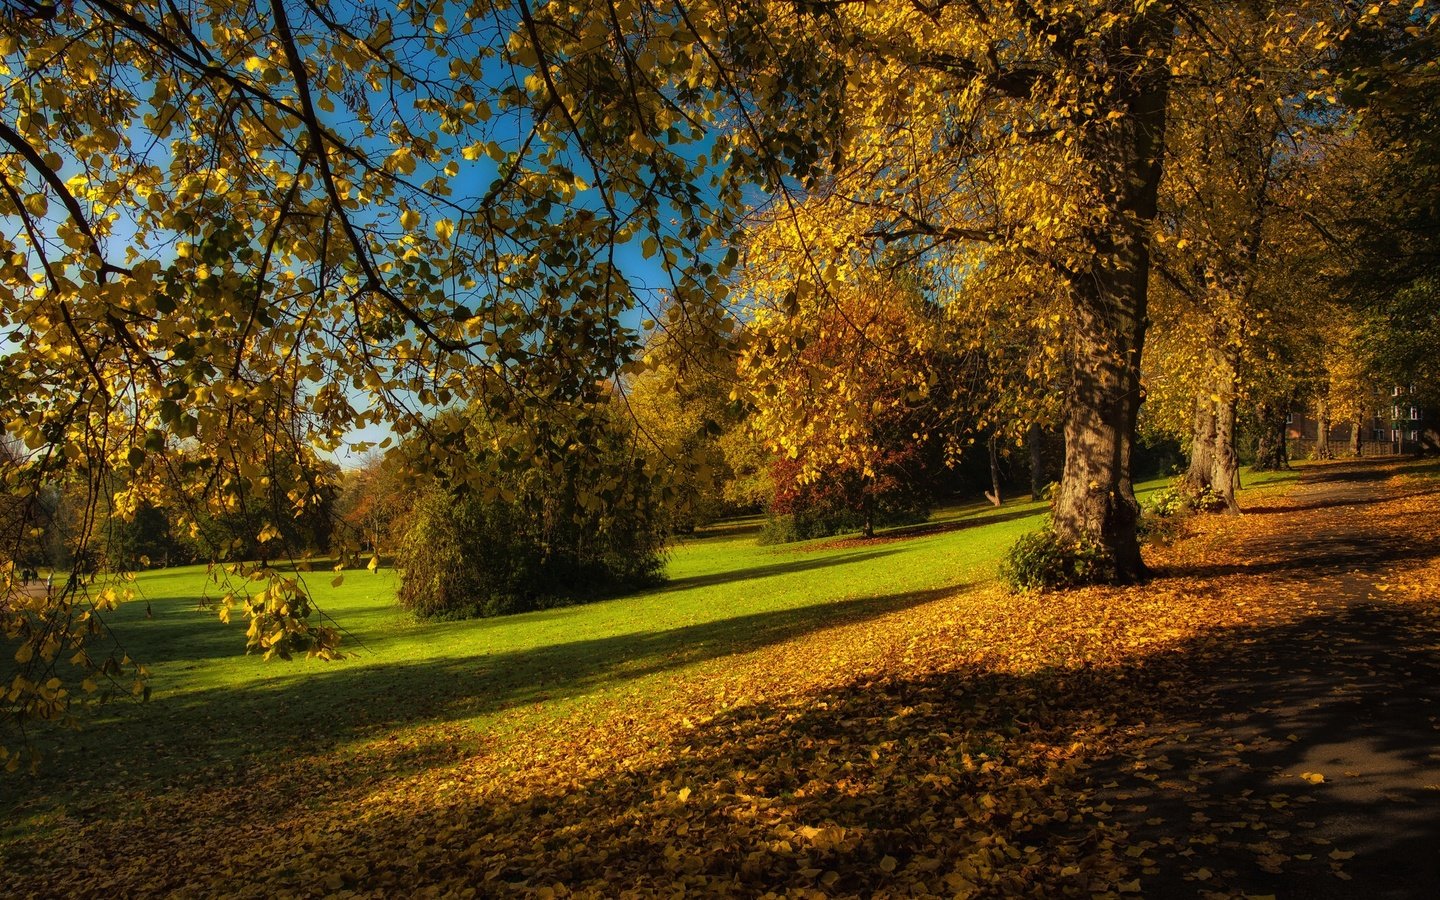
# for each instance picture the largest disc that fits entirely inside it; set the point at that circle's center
(215, 710)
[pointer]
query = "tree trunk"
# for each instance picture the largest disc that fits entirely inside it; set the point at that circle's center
(1225, 474)
(993, 495)
(1202, 446)
(1322, 429)
(1355, 431)
(1096, 501)
(1270, 453)
(1035, 438)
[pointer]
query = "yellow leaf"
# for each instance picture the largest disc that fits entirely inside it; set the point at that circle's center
(888, 864)
(1313, 777)
(374, 563)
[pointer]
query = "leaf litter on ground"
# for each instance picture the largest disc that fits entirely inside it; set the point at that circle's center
(981, 744)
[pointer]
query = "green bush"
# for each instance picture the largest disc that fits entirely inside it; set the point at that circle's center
(1040, 560)
(1161, 513)
(1166, 502)
(537, 539)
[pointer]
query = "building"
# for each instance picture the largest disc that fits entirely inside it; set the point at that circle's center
(1404, 427)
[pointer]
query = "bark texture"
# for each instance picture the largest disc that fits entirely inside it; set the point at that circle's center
(1225, 466)
(1271, 451)
(1096, 500)
(993, 495)
(1202, 447)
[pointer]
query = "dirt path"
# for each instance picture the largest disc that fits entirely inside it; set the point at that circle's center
(1305, 761)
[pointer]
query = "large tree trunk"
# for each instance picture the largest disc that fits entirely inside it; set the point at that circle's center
(1225, 474)
(1355, 432)
(1322, 429)
(1035, 439)
(1270, 453)
(1202, 446)
(1096, 501)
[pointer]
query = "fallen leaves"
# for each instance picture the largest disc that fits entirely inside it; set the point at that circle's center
(1099, 742)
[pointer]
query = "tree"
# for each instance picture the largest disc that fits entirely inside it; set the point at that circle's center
(374, 499)
(685, 406)
(536, 536)
(245, 227)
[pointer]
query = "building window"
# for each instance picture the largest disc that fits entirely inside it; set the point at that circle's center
(1395, 412)
(1395, 435)
(1379, 434)
(1396, 392)
(1414, 413)
(1290, 418)
(1414, 435)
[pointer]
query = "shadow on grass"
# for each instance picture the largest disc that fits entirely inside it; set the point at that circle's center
(881, 758)
(1196, 753)
(319, 709)
(726, 528)
(987, 515)
(748, 573)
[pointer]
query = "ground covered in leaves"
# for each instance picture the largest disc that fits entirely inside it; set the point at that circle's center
(1261, 719)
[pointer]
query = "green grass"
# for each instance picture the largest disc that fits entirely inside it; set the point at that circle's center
(213, 708)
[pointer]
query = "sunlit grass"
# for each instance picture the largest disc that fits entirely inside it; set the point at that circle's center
(213, 708)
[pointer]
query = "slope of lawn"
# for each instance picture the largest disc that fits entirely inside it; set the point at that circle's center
(214, 711)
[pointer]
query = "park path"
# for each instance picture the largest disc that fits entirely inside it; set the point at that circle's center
(1301, 758)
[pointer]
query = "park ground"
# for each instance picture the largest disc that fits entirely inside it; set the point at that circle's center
(871, 718)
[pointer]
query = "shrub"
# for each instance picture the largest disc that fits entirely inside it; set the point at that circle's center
(1173, 502)
(1166, 502)
(1040, 560)
(534, 541)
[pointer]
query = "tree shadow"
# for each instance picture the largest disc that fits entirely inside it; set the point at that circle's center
(1322, 555)
(1334, 502)
(316, 710)
(985, 516)
(951, 769)
(899, 533)
(1194, 757)
(1369, 469)
(747, 573)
